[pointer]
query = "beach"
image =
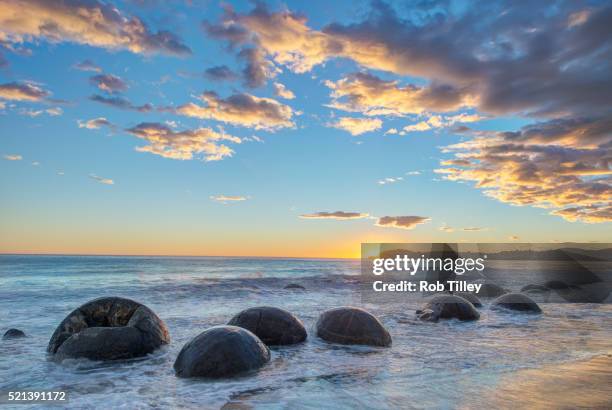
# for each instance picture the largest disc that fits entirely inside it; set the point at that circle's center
(500, 358)
(579, 384)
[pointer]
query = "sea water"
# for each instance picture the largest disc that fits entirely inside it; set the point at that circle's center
(448, 364)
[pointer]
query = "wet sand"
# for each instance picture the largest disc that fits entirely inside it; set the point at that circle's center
(581, 384)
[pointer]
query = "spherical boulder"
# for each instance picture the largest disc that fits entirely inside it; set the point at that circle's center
(13, 334)
(352, 326)
(491, 290)
(108, 328)
(272, 325)
(535, 288)
(516, 301)
(448, 307)
(470, 297)
(221, 351)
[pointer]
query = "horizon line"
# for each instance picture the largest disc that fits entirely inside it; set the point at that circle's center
(169, 255)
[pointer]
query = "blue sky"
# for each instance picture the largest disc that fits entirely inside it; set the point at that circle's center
(296, 183)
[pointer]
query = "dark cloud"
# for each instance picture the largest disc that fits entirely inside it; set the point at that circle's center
(121, 103)
(220, 73)
(257, 69)
(108, 83)
(401, 222)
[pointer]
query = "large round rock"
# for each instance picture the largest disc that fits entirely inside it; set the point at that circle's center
(221, 351)
(272, 325)
(108, 328)
(470, 297)
(13, 334)
(448, 307)
(352, 326)
(491, 290)
(516, 301)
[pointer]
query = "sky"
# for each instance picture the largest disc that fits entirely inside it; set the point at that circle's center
(299, 128)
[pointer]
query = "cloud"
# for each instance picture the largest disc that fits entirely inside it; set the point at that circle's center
(87, 65)
(554, 165)
(203, 143)
(54, 112)
(390, 180)
(357, 126)
(244, 110)
(23, 91)
(513, 238)
(95, 123)
(121, 103)
(441, 121)
(370, 95)
(281, 91)
(401, 222)
(446, 228)
(507, 58)
(473, 229)
(89, 22)
(13, 157)
(226, 198)
(220, 73)
(108, 83)
(257, 69)
(105, 181)
(335, 215)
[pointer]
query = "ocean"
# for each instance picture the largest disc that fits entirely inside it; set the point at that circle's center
(449, 364)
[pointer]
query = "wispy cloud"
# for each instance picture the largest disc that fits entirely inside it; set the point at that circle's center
(121, 103)
(95, 123)
(87, 65)
(281, 91)
(335, 215)
(401, 222)
(390, 180)
(220, 73)
(357, 126)
(105, 181)
(13, 157)
(108, 83)
(474, 229)
(228, 198)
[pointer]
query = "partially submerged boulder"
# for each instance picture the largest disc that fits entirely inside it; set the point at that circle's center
(516, 301)
(352, 326)
(108, 328)
(534, 288)
(294, 286)
(491, 290)
(13, 334)
(221, 351)
(448, 307)
(272, 325)
(470, 297)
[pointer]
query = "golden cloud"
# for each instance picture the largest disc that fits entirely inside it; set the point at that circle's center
(23, 91)
(183, 145)
(88, 22)
(241, 109)
(357, 126)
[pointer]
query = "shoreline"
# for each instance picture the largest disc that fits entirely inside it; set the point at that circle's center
(584, 383)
